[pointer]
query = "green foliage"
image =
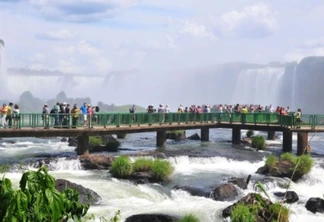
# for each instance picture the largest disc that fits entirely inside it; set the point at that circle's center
(161, 169)
(189, 218)
(304, 164)
(142, 165)
(249, 133)
(116, 218)
(279, 213)
(113, 145)
(258, 142)
(289, 157)
(271, 161)
(95, 141)
(242, 213)
(121, 167)
(38, 200)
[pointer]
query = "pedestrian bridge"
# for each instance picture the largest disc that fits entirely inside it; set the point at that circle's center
(32, 125)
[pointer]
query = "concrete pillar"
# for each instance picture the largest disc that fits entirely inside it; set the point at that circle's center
(204, 132)
(83, 144)
(160, 138)
(271, 135)
(287, 141)
(302, 142)
(236, 135)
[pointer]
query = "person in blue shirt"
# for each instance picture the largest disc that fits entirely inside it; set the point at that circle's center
(84, 111)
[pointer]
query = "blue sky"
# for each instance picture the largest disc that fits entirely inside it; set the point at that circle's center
(101, 36)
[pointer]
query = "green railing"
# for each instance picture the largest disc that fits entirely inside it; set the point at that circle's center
(37, 120)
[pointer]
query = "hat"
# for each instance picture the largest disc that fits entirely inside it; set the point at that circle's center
(89, 105)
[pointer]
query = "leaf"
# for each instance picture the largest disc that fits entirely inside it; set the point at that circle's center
(261, 187)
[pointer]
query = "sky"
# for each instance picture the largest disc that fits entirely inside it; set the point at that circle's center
(101, 36)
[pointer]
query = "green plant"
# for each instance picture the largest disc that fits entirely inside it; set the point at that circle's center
(279, 213)
(161, 169)
(113, 145)
(249, 133)
(95, 141)
(304, 163)
(290, 157)
(271, 161)
(188, 218)
(38, 200)
(116, 218)
(121, 167)
(4, 168)
(258, 142)
(142, 165)
(242, 213)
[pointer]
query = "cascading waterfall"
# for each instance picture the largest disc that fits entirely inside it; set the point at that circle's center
(293, 93)
(258, 86)
(3, 70)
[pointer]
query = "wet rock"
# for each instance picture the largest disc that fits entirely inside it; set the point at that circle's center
(64, 139)
(224, 192)
(86, 196)
(151, 218)
(194, 191)
(176, 135)
(289, 196)
(315, 204)
(194, 137)
(240, 182)
(99, 162)
(72, 141)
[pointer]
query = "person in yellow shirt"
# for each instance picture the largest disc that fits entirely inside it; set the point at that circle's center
(9, 115)
(4, 115)
(244, 110)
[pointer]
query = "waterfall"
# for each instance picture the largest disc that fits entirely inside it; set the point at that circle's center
(3, 72)
(293, 89)
(258, 86)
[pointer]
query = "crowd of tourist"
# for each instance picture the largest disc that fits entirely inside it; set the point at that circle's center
(65, 116)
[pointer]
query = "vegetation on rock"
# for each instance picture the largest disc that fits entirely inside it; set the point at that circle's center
(188, 218)
(258, 142)
(249, 133)
(121, 167)
(95, 141)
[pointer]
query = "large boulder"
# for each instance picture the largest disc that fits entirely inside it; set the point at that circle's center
(281, 169)
(86, 196)
(151, 218)
(224, 192)
(240, 182)
(176, 135)
(315, 204)
(194, 137)
(288, 197)
(96, 162)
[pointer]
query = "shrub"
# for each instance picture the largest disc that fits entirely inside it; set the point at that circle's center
(279, 213)
(258, 142)
(242, 213)
(249, 133)
(305, 163)
(113, 145)
(161, 169)
(121, 167)
(271, 161)
(95, 141)
(189, 218)
(142, 165)
(38, 200)
(290, 157)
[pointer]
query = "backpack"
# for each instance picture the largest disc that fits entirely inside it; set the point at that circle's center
(97, 109)
(53, 110)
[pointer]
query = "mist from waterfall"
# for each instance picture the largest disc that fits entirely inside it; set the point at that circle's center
(3, 73)
(258, 86)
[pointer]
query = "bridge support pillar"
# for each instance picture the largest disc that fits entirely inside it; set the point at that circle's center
(302, 142)
(83, 144)
(160, 138)
(204, 132)
(236, 135)
(271, 135)
(287, 141)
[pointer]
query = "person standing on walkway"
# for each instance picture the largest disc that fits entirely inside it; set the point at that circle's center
(75, 116)
(16, 116)
(4, 115)
(84, 111)
(46, 113)
(9, 114)
(298, 118)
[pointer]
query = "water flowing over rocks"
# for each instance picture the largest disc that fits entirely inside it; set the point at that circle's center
(86, 196)
(194, 191)
(240, 182)
(288, 196)
(315, 204)
(152, 218)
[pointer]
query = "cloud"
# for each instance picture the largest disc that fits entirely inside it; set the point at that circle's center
(311, 47)
(196, 30)
(80, 10)
(255, 21)
(62, 34)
